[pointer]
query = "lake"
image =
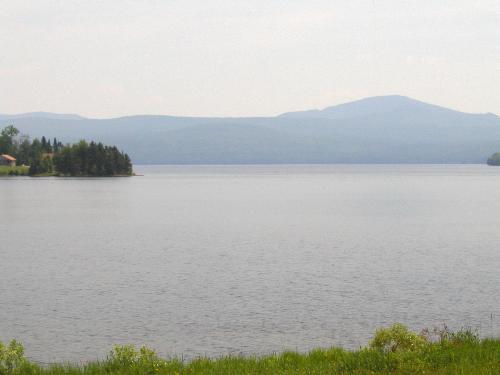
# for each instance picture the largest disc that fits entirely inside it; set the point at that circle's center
(215, 260)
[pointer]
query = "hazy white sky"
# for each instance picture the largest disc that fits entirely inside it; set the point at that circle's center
(255, 57)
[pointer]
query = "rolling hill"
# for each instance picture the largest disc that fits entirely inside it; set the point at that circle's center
(385, 129)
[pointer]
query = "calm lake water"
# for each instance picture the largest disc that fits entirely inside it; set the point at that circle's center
(211, 260)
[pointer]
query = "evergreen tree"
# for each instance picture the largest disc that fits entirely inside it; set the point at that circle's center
(79, 159)
(91, 159)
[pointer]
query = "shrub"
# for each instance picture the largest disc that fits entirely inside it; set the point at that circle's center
(11, 358)
(494, 159)
(124, 355)
(397, 338)
(145, 359)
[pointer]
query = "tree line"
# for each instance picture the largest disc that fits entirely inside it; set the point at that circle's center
(45, 156)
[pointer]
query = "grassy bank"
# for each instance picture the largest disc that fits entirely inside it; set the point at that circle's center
(16, 171)
(392, 351)
(24, 171)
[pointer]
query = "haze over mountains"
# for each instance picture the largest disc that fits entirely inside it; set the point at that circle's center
(385, 129)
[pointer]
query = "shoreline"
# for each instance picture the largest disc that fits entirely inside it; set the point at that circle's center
(394, 350)
(23, 171)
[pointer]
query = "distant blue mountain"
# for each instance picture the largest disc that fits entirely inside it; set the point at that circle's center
(374, 106)
(48, 115)
(385, 129)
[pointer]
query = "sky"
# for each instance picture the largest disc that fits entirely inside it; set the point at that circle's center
(244, 58)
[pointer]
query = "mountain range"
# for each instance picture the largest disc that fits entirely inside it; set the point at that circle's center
(383, 129)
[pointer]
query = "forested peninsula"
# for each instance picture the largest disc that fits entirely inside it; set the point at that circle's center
(21, 155)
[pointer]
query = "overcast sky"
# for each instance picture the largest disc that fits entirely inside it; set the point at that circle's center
(253, 57)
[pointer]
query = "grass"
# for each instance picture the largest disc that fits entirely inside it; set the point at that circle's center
(17, 171)
(394, 350)
(24, 171)
(21, 171)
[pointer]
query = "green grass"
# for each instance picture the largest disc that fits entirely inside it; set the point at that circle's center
(393, 351)
(20, 170)
(24, 171)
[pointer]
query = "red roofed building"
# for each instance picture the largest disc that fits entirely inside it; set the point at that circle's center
(7, 160)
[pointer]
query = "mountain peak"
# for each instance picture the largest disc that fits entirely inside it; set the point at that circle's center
(382, 129)
(371, 106)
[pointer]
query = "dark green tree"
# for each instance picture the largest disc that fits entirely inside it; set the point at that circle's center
(494, 159)
(7, 139)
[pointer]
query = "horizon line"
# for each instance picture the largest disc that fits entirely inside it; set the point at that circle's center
(77, 116)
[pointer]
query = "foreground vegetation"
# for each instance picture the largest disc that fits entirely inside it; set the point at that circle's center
(52, 158)
(394, 350)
